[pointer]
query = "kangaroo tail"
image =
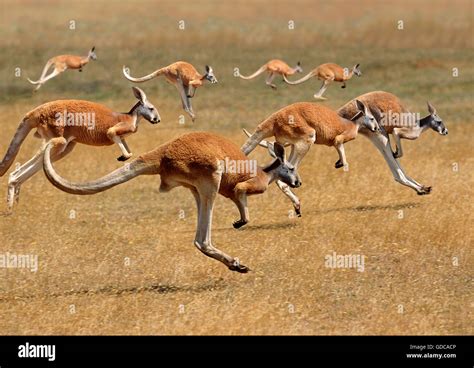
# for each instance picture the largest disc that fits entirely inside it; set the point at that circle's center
(125, 173)
(257, 73)
(34, 82)
(21, 133)
(142, 79)
(264, 130)
(304, 79)
(43, 73)
(263, 143)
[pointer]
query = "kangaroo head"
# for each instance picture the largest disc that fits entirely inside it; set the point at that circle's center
(356, 70)
(282, 169)
(364, 117)
(435, 121)
(145, 108)
(298, 68)
(92, 55)
(210, 75)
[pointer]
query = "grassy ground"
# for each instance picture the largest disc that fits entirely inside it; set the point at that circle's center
(126, 264)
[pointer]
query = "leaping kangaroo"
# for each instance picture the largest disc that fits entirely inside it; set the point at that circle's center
(61, 63)
(396, 120)
(195, 161)
(388, 111)
(275, 67)
(328, 73)
(183, 76)
(303, 124)
(77, 122)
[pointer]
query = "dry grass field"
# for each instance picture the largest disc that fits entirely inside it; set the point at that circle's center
(125, 263)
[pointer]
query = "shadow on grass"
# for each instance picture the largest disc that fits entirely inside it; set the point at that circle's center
(280, 225)
(117, 290)
(392, 207)
(248, 227)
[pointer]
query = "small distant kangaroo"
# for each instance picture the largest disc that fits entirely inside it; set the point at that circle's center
(61, 63)
(274, 67)
(328, 73)
(194, 161)
(183, 76)
(78, 122)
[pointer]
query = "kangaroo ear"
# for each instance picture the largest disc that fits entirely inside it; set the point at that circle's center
(360, 106)
(271, 149)
(431, 108)
(139, 94)
(357, 116)
(279, 151)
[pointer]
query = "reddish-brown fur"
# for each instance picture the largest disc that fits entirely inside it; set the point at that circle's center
(396, 119)
(328, 73)
(193, 161)
(279, 67)
(274, 67)
(331, 71)
(302, 119)
(63, 62)
(180, 69)
(188, 73)
(381, 100)
(194, 156)
(75, 121)
(183, 76)
(44, 119)
(302, 124)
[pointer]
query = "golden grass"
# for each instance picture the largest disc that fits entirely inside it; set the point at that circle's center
(169, 287)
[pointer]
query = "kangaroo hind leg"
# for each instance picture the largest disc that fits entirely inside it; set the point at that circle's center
(240, 201)
(298, 151)
(207, 195)
(30, 168)
(52, 75)
(319, 95)
(184, 97)
(269, 80)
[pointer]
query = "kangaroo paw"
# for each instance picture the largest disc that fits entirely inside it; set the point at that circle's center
(239, 223)
(236, 266)
(424, 190)
(297, 209)
(17, 195)
(123, 158)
